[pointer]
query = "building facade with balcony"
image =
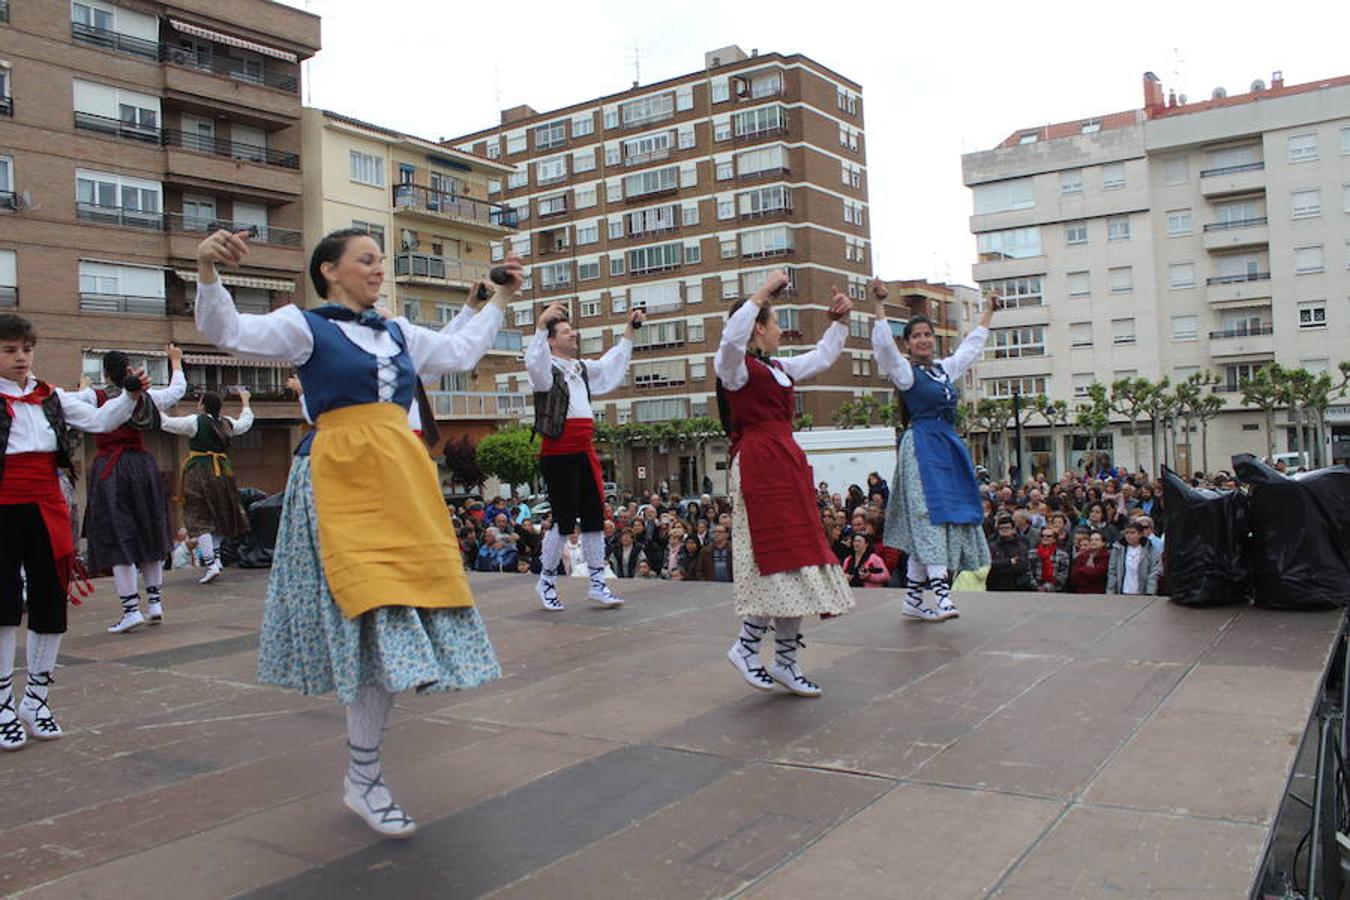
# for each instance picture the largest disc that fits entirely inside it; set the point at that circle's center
(1168, 240)
(427, 205)
(679, 197)
(127, 133)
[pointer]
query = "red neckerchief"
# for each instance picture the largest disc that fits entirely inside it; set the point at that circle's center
(36, 396)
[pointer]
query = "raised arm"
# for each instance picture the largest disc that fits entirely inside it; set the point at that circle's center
(165, 397)
(969, 352)
(182, 425)
(729, 363)
(242, 424)
(438, 352)
(606, 373)
(830, 346)
(538, 357)
(889, 360)
(280, 335)
(97, 419)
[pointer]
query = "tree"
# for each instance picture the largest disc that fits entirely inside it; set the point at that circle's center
(511, 455)
(859, 412)
(1158, 406)
(461, 458)
(1056, 413)
(1129, 398)
(994, 414)
(1209, 406)
(1094, 416)
(1262, 391)
(804, 422)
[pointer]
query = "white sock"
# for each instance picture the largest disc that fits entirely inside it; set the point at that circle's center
(9, 643)
(787, 633)
(936, 573)
(593, 546)
(208, 548)
(915, 570)
(153, 573)
(124, 579)
(366, 718)
(42, 651)
(551, 555)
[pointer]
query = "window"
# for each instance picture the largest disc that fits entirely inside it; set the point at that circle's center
(1302, 148)
(1003, 388)
(1079, 284)
(686, 137)
(721, 90)
(647, 148)
(105, 287)
(588, 271)
(1121, 279)
(730, 288)
(789, 320)
(494, 185)
(652, 181)
(657, 334)
(1345, 197)
(615, 228)
(523, 316)
(1345, 140)
(698, 369)
(1306, 203)
(498, 252)
(765, 242)
(515, 143)
(693, 290)
(1028, 138)
(117, 199)
(690, 214)
(615, 265)
(547, 171)
(1091, 127)
(1075, 233)
(1080, 334)
(688, 174)
(618, 302)
(656, 298)
(613, 153)
(1003, 196)
(554, 275)
(583, 161)
(766, 200)
(665, 373)
(764, 159)
(1312, 315)
(1016, 292)
(725, 170)
(660, 410)
(693, 254)
(550, 135)
(1122, 331)
(1174, 170)
(1014, 243)
(1013, 343)
(1181, 275)
(588, 232)
(518, 178)
(1234, 159)
(494, 149)
(1113, 176)
(1081, 382)
(726, 208)
(1118, 228)
(1178, 222)
(1181, 373)
(1071, 181)
(657, 258)
(585, 197)
(612, 117)
(590, 308)
(583, 125)
(684, 97)
(722, 128)
(367, 169)
(858, 325)
(758, 121)
(648, 109)
(1308, 260)
(1185, 328)
(552, 206)
(1235, 374)
(592, 343)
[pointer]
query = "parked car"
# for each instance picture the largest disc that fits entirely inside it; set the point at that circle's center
(611, 492)
(453, 498)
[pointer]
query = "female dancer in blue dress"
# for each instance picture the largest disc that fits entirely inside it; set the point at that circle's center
(368, 595)
(934, 513)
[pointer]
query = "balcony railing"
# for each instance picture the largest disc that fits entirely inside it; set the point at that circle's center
(259, 234)
(1244, 331)
(122, 303)
(231, 149)
(639, 159)
(230, 67)
(440, 268)
(762, 174)
(9, 297)
(119, 215)
(780, 129)
(1236, 223)
(115, 40)
(416, 196)
(767, 213)
(1238, 279)
(118, 127)
(1232, 170)
(453, 404)
(650, 119)
(761, 254)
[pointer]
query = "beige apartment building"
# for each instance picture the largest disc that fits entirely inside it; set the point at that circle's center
(680, 197)
(1176, 238)
(127, 133)
(426, 204)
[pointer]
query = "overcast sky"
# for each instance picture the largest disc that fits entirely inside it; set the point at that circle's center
(947, 79)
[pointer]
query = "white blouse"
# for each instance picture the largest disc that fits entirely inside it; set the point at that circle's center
(187, 425)
(163, 398)
(284, 335)
(898, 369)
(30, 432)
(604, 374)
(730, 360)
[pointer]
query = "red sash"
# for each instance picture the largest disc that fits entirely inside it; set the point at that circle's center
(578, 437)
(112, 445)
(31, 478)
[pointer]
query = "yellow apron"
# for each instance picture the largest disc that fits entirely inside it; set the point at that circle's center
(384, 532)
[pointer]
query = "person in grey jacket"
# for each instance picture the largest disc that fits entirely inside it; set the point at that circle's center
(1134, 567)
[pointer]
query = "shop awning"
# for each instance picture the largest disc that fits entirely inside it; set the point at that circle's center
(232, 41)
(249, 281)
(195, 359)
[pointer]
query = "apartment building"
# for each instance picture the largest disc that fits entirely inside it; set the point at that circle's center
(1162, 241)
(127, 133)
(426, 204)
(679, 197)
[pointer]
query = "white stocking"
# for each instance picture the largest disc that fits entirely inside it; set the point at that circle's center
(936, 573)
(915, 570)
(551, 555)
(124, 578)
(153, 573)
(366, 718)
(208, 548)
(9, 642)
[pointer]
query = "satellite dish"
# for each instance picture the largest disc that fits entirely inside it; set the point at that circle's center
(1258, 85)
(1218, 94)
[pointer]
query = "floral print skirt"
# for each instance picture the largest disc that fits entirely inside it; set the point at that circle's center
(961, 548)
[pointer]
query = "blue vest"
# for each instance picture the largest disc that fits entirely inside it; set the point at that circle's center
(945, 466)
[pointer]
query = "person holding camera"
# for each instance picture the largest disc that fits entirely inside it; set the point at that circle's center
(563, 385)
(126, 524)
(785, 570)
(36, 541)
(863, 567)
(934, 514)
(211, 508)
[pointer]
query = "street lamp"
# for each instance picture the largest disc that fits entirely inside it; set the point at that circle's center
(1017, 431)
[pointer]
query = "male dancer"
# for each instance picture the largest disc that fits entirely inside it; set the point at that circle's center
(35, 534)
(563, 387)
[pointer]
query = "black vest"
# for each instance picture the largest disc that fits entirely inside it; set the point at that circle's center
(56, 418)
(550, 406)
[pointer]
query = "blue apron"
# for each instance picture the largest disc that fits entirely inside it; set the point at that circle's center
(945, 466)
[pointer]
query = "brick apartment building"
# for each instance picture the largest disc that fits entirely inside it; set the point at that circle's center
(680, 196)
(127, 132)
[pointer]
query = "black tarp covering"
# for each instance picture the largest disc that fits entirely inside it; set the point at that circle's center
(1300, 546)
(264, 518)
(1206, 551)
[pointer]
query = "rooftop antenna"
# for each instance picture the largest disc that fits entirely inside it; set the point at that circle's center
(1178, 65)
(637, 64)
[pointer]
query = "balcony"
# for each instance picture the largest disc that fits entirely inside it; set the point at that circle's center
(763, 174)
(477, 405)
(263, 156)
(759, 134)
(646, 196)
(1243, 179)
(258, 234)
(230, 67)
(116, 41)
(1237, 233)
(428, 269)
(122, 303)
(770, 213)
(1244, 341)
(119, 215)
(651, 156)
(9, 297)
(508, 341)
(418, 200)
(767, 253)
(146, 134)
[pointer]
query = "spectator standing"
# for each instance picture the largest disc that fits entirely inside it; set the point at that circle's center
(1087, 573)
(1134, 566)
(1010, 564)
(1050, 563)
(863, 567)
(714, 560)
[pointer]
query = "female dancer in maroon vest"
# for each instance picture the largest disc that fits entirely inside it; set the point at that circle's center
(784, 568)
